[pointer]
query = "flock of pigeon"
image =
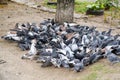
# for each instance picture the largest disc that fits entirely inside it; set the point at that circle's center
(68, 45)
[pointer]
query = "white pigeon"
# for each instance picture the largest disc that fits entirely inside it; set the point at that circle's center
(32, 52)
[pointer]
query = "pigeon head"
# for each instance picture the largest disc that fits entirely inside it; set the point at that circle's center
(34, 41)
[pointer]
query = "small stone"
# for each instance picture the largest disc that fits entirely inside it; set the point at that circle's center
(38, 6)
(19, 73)
(8, 16)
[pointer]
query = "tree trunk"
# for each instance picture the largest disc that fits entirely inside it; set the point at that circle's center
(65, 11)
(3, 1)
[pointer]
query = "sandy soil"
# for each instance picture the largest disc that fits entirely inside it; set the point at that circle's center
(17, 69)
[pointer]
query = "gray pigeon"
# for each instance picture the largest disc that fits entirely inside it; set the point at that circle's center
(78, 65)
(112, 57)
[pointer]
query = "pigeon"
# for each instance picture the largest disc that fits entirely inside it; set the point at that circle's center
(112, 57)
(32, 52)
(47, 62)
(78, 65)
(85, 40)
(73, 45)
(65, 63)
(12, 36)
(56, 62)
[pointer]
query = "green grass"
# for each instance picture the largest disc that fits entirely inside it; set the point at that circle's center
(80, 7)
(97, 67)
(99, 71)
(112, 15)
(101, 68)
(49, 6)
(92, 76)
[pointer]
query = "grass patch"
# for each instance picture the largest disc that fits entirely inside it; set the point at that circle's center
(80, 7)
(49, 6)
(92, 76)
(101, 68)
(97, 67)
(113, 12)
(112, 16)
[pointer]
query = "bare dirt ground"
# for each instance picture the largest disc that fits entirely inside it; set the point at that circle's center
(17, 69)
